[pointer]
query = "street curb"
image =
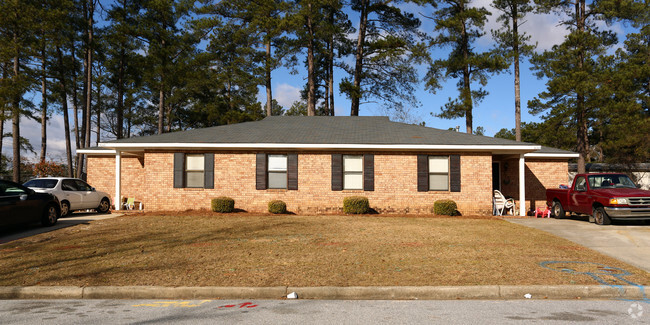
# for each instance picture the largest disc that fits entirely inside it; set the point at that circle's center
(495, 292)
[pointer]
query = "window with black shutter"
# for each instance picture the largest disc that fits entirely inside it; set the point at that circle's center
(276, 171)
(193, 170)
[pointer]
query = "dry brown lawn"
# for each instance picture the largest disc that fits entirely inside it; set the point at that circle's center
(245, 250)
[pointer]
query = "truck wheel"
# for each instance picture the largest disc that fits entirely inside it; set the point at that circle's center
(601, 217)
(557, 210)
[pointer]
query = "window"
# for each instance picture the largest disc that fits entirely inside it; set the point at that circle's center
(69, 185)
(194, 170)
(277, 169)
(83, 186)
(352, 172)
(581, 184)
(438, 173)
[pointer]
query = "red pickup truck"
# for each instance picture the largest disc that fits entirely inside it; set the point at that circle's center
(601, 196)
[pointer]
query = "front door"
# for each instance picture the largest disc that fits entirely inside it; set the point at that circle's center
(496, 176)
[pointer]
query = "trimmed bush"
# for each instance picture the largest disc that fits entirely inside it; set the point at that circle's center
(223, 204)
(445, 207)
(356, 205)
(277, 206)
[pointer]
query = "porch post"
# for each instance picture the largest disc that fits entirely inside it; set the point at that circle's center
(522, 186)
(118, 175)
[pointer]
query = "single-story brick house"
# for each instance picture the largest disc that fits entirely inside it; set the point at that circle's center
(312, 163)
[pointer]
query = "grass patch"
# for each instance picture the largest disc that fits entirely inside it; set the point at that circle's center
(244, 250)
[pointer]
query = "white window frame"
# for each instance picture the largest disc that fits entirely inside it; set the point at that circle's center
(188, 171)
(277, 171)
(346, 186)
(438, 172)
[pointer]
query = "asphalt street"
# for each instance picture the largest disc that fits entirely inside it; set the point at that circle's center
(323, 312)
(627, 241)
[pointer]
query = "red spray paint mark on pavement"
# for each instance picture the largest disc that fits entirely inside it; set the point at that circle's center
(242, 305)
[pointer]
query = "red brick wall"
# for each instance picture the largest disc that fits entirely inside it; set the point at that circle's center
(395, 183)
(540, 175)
(101, 175)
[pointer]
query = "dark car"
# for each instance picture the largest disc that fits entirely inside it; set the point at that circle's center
(21, 205)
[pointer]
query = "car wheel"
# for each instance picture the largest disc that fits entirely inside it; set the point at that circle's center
(601, 217)
(50, 215)
(65, 208)
(104, 206)
(557, 210)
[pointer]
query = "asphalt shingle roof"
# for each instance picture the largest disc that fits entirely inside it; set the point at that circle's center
(322, 130)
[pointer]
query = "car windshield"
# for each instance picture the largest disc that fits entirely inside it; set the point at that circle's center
(610, 181)
(41, 183)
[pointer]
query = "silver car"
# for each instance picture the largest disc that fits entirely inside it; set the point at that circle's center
(73, 194)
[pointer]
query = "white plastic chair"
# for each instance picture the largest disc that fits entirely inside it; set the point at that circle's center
(501, 204)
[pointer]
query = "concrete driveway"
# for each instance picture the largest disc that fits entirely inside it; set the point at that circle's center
(19, 232)
(628, 242)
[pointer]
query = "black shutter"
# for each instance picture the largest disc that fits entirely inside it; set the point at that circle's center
(179, 169)
(454, 173)
(337, 172)
(292, 171)
(260, 172)
(423, 173)
(208, 170)
(369, 172)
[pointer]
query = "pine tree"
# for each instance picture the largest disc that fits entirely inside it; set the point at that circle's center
(458, 26)
(575, 75)
(512, 43)
(18, 29)
(387, 50)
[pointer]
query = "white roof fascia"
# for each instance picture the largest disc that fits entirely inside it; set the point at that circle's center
(97, 151)
(551, 155)
(124, 146)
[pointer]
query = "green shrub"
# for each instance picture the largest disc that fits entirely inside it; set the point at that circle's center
(445, 207)
(356, 205)
(277, 206)
(223, 204)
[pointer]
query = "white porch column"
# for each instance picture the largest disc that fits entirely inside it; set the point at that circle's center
(118, 176)
(522, 186)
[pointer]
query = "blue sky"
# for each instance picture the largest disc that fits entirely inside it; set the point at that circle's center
(495, 112)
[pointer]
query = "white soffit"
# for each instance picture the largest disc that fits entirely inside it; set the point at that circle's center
(551, 155)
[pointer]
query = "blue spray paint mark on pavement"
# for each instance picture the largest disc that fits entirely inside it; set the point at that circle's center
(606, 275)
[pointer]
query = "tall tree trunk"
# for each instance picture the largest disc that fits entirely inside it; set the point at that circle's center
(43, 104)
(311, 75)
(161, 104)
(269, 97)
(89, 72)
(16, 121)
(75, 107)
(120, 95)
(582, 136)
(330, 72)
(467, 90)
(161, 100)
(99, 114)
(515, 47)
(64, 107)
(358, 66)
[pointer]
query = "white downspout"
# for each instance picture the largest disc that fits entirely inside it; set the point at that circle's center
(118, 176)
(522, 186)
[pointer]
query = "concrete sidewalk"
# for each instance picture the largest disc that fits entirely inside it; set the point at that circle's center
(629, 242)
(496, 292)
